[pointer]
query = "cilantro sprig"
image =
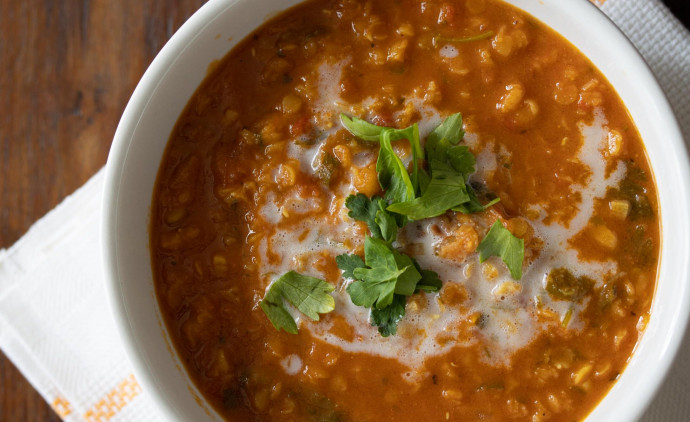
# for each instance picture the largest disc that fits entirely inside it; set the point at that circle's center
(309, 295)
(500, 242)
(387, 319)
(372, 211)
(421, 194)
(383, 280)
(450, 166)
(393, 176)
(445, 187)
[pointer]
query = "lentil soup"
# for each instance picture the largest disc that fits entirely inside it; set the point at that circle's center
(265, 178)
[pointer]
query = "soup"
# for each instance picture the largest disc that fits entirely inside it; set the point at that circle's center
(404, 210)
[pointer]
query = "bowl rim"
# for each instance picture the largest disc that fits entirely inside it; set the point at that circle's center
(185, 36)
(129, 121)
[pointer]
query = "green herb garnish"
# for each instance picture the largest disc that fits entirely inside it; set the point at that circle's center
(309, 295)
(562, 284)
(447, 189)
(450, 166)
(385, 272)
(385, 277)
(383, 280)
(349, 263)
(500, 242)
(390, 163)
(373, 212)
(387, 319)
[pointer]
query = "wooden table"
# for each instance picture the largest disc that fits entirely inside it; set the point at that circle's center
(67, 69)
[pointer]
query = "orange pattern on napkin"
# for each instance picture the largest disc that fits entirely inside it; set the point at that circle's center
(114, 401)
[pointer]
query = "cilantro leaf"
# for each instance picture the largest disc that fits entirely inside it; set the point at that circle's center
(387, 224)
(500, 242)
(387, 271)
(423, 181)
(375, 291)
(361, 128)
(473, 205)
(447, 134)
(407, 281)
(411, 133)
(461, 159)
(392, 173)
(279, 316)
(447, 189)
(430, 281)
(451, 166)
(373, 133)
(309, 295)
(377, 283)
(365, 209)
(383, 281)
(387, 318)
(378, 253)
(348, 263)
(386, 277)
(381, 223)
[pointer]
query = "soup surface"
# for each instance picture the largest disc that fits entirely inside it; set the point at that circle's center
(257, 189)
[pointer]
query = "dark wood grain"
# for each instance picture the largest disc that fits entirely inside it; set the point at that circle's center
(67, 69)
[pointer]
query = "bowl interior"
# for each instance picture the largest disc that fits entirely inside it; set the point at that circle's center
(177, 71)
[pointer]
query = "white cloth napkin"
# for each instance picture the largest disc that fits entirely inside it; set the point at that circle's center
(56, 327)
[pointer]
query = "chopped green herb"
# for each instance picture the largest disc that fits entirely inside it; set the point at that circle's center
(562, 284)
(387, 224)
(640, 247)
(385, 277)
(278, 315)
(461, 159)
(632, 190)
(430, 281)
(373, 133)
(377, 282)
(447, 134)
(567, 317)
(327, 165)
(348, 263)
(407, 282)
(372, 211)
(383, 281)
(473, 205)
(319, 408)
(309, 295)
(450, 165)
(500, 242)
(446, 190)
(392, 173)
(361, 128)
(387, 319)
(608, 294)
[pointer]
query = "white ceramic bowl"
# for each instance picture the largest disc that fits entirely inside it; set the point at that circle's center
(179, 68)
